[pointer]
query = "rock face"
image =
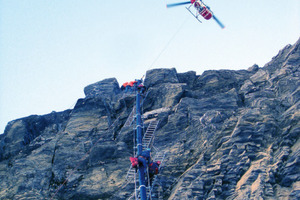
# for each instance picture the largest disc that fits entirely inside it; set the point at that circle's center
(107, 88)
(228, 135)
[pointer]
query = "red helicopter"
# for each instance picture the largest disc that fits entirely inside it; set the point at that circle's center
(201, 9)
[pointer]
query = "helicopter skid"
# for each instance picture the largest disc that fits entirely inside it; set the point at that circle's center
(196, 16)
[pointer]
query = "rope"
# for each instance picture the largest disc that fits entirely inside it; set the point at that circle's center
(167, 44)
(111, 124)
(73, 105)
(134, 145)
(148, 179)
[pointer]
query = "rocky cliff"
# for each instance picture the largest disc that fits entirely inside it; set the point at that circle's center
(228, 135)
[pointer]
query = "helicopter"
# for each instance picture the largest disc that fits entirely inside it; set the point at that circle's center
(201, 9)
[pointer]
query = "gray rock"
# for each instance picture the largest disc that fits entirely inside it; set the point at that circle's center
(188, 77)
(106, 88)
(228, 135)
(172, 91)
(159, 76)
(21, 132)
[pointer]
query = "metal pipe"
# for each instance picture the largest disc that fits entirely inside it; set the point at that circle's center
(139, 138)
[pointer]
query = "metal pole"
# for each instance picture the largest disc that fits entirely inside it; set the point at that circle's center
(143, 192)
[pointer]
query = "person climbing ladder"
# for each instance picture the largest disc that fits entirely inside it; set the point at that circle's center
(144, 160)
(153, 169)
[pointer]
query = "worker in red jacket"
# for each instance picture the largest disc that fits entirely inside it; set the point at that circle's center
(153, 169)
(124, 86)
(132, 83)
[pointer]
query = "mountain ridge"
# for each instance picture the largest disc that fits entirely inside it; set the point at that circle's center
(229, 134)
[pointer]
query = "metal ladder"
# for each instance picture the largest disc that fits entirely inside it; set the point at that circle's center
(147, 139)
(130, 118)
(160, 156)
(149, 135)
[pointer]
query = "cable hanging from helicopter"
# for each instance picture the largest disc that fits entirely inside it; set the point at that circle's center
(201, 9)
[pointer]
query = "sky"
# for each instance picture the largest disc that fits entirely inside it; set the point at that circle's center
(51, 49)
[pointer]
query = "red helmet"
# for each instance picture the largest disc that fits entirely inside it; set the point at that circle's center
(193, 1)
(158, 162)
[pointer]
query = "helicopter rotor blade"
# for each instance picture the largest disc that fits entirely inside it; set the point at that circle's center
(177, 4)
(219, 22)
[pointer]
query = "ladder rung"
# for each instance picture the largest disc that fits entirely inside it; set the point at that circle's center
(149, 132)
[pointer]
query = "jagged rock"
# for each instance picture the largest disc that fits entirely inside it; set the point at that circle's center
(89, 114)
(288, 56)
(21, 132)
(159, 76)
(174, 92)
(106, 88)
(253, 68)
(228, 135)
(188, 77)
(213, 82)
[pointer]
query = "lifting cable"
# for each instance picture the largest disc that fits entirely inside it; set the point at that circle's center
(161, 52)
(165, 48)
(167, 45)
(87, 154)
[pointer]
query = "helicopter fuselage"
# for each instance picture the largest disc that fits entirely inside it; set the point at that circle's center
(202, 9)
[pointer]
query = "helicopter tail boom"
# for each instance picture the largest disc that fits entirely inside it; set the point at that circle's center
(218, 22)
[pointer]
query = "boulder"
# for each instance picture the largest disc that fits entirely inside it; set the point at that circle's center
(105, 88)
(188, 77)
(158, 76)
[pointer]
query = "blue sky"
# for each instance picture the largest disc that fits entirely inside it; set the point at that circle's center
(50, 50)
